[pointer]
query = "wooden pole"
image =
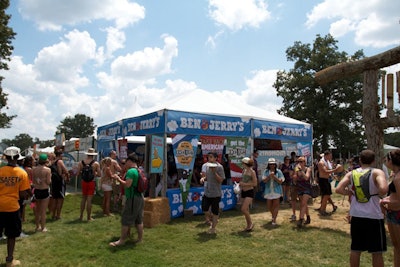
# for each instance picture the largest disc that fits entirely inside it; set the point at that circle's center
(373, 128)
(389, 92)
(398, 85)
(383, 91)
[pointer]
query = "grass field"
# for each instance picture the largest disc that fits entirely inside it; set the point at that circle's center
(184, 241)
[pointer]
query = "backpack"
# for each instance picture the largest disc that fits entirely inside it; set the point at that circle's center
(55, 176)
(143, 182)
(87, 174)
(361, 185)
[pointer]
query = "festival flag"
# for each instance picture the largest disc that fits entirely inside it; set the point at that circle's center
(185, 149)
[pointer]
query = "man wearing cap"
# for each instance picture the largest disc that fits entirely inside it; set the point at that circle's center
(14, 183)
(88, 187)
(213, 174)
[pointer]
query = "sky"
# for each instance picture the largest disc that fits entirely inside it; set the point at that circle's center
(112, 59)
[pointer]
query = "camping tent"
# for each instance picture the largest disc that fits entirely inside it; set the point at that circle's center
(201, 113)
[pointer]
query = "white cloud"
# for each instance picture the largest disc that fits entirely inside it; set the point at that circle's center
(115, 40)
(238, 14)
(63, 62)
(53, 14)
(260, 91)
(374, 23)
(148, 63)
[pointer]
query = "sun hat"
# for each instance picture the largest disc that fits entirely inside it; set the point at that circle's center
(91, 152)
(12, 151)
(43, 158)
(20, 157)
(272, 161)
(248, 161)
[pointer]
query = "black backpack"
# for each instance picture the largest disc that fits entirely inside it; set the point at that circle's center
(55, 176)
(87, 174)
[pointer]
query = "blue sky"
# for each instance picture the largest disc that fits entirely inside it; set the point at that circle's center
(97, 57)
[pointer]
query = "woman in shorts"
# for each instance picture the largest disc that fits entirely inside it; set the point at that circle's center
(107, 179)
(273, 179)
(391, 204)
(301, 177)
(41, 183)
(247, 184)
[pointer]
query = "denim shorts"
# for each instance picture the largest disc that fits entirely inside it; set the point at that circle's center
(393, 217)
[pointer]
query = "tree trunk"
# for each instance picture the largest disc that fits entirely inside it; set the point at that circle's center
(373, 127)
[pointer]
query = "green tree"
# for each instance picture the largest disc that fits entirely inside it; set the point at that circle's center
(6, 36)
(334, 110)
(23, 141)
(78, 126)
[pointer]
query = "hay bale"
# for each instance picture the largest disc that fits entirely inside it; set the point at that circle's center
(156, 211)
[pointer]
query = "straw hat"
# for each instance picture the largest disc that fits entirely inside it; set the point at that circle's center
(272, 161)
(91, 152)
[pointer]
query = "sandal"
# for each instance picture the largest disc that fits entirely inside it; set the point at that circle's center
(249, 229)
(116, 244)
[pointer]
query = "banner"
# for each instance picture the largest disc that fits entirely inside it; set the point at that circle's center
(185, 149)
(194, 198)
(212, 144)
(157, 152)
(123, 148)
(236, 148)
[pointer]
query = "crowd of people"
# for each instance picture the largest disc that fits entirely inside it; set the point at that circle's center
(42, 181)
(373, 194)
(372, 198)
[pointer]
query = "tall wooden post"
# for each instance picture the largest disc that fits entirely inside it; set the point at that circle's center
(390, 111)
(374, 131)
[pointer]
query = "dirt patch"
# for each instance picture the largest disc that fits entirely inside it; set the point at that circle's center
(336, 221)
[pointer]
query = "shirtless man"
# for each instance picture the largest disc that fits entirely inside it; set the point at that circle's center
(41, 183)
(325, 170)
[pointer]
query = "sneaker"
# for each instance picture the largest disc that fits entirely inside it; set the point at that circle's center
(13, 263)
(308, 220)
(293, 218)
(22, 235)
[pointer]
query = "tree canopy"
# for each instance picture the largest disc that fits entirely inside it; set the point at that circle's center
(335, 109)
(6, 36)
(78, 126)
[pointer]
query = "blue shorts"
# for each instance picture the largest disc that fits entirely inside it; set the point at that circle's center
(393, 217)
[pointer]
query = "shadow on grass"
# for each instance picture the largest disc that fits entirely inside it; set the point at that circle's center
(129, 244)
(205, 237)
